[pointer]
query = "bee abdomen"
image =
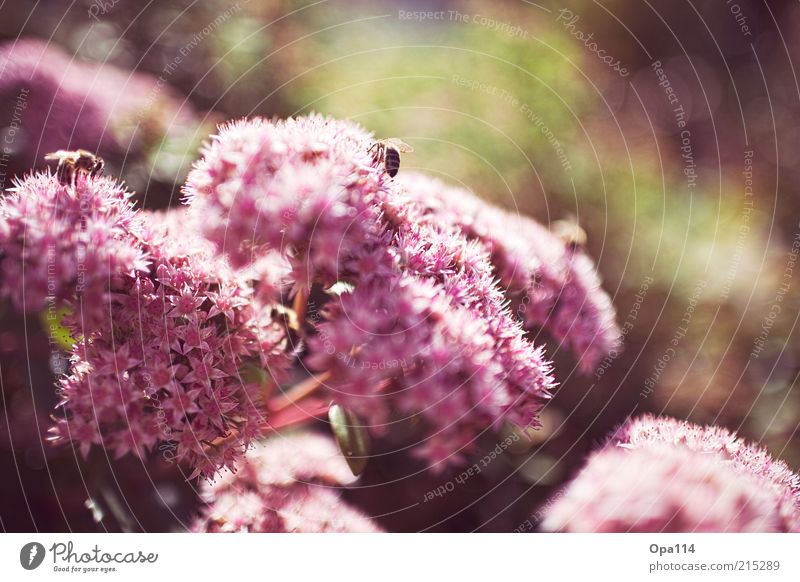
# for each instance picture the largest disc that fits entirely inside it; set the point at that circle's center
(392, 161)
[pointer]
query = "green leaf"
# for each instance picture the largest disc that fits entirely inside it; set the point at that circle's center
(352, 437)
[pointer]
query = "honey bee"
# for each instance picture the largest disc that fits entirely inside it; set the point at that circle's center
(570, 232)
(387, 152)
(73, 163)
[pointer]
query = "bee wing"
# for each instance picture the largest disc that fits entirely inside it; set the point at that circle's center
(400, 146)
(56, 155)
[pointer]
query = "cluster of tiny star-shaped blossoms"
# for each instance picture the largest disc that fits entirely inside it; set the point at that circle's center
(165, 336)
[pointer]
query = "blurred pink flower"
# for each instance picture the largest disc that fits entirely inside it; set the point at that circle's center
(744, 457)
(661, 474)
(63, 102)
(287, 484)
(554, 285)
(662, 488)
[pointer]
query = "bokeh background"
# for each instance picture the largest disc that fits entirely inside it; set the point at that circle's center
(668, 130)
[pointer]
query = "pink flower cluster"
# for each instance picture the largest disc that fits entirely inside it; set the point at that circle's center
(63, 247)
(167, 367)
(553, 283)
(773, 475)
(408, 350)
(63, 102)
(300, 186)
(425, 330)
(435, 341)
(661, 474)
(177, 350)
(289, 484)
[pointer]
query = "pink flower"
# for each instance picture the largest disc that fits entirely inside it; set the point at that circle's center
(288, 484)
(742, 456)
(300, 186)
(662, 489)
(553, 285)
(425, 331)
(410, 350)
(64, 102)
(661, 474)
(164, 369)
(59, 247)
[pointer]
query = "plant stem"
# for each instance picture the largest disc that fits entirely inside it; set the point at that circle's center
(297, 392)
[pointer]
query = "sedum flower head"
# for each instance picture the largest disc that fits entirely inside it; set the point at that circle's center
(288, 484)
(64, 247)
(661, 474)
(425, 330)
(662, 489)
(744, 457)
(300, 186)
(433, 341)
(165, 369)
(555, 286)
(411, 351)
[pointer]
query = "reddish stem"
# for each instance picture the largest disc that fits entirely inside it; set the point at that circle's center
(310, 409)
(300, 306)
(297, 392)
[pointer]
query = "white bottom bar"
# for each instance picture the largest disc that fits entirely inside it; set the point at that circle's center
(402, 557)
